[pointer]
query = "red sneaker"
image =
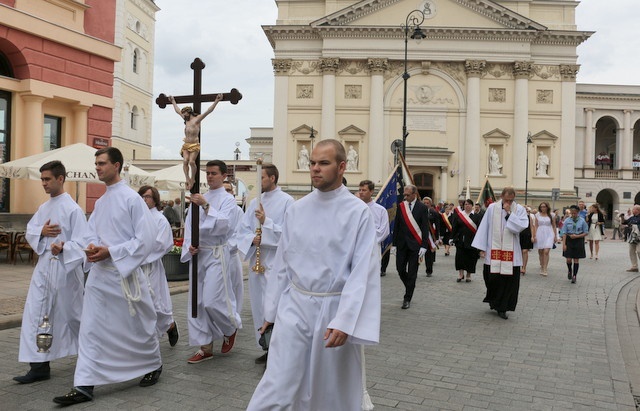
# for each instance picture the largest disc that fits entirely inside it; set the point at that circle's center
(200, 356)
(227, 344)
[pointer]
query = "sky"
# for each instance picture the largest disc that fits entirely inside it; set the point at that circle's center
(227, 36)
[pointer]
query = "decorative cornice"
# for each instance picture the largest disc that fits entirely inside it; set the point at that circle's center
(305, 33)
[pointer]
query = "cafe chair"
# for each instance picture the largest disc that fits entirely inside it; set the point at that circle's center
(22, 246)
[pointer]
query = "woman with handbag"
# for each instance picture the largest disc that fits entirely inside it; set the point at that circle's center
(595, 221)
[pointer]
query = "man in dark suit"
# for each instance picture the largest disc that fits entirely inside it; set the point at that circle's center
(434, 220)
(410, 239)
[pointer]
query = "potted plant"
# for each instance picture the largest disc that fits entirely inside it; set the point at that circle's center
(174, 269)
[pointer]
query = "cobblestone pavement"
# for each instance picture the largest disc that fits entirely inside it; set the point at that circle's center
(566, 347)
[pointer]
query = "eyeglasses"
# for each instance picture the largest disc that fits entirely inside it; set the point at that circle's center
(147, 196)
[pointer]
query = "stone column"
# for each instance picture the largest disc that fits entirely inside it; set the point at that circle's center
(375, 165)
(625, 158)
(590, 140)
(26, 195)
(328, 67)
(521, 73)
(281, 68)
(33, 125)
(471, 166)
(568, 126)
(444, 182)
(80, 125)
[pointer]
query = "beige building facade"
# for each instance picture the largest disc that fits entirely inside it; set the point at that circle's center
(133, 78)
(487, 74)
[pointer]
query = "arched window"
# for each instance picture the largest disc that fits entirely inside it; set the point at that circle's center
(134, 118)
(135, 60)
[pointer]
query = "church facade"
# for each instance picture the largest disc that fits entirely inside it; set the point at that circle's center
(490, 91)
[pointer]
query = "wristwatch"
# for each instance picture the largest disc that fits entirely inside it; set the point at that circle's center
(205, 207)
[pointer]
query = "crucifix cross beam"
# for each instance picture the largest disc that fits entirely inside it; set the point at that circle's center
(197, 98)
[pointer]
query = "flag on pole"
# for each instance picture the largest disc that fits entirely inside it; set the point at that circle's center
(388, 198)
(407, 178)
(486, 196)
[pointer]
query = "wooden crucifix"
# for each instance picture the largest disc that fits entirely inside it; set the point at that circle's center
(197, 98)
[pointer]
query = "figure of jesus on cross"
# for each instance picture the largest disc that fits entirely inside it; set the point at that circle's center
(191, 146)
(192, 136)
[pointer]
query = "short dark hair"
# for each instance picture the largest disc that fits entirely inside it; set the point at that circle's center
(115, 156)
(469, 201)
(272, 171)
(155, 195)
(367, 183)
(574, 207)
(57, 169)
(222, 166)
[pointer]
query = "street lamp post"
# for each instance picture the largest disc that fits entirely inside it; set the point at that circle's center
(526, 171)
(311, 137)
(413, 21)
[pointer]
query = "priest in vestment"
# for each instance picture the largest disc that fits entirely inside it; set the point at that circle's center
(57, 283)
(218, 318)
(498, 239)
(274, 203)
(323, 296)
(118, 339)
(154, 269)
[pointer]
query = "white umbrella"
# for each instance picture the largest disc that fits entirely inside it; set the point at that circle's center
(79, 161)
(172, 178)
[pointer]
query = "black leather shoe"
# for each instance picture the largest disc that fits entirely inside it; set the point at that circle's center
(406, 305)
(382, 274)
(74, 397)
(151, 378)
(262, 359)
(429, 274)
(503, 315)
(32, 377)
(459, 279)
(173, 334)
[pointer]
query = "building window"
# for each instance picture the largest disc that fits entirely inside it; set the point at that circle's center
(134, 118)
(5, 66)
(135, 60)
(52, 131)
(5, 133)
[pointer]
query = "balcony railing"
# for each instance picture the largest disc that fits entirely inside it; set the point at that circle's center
(607, 174)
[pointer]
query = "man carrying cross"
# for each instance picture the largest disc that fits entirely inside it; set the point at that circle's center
(191, 147)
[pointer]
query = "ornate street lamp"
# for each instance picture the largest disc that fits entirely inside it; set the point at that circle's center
(413, 21)
(526, 171)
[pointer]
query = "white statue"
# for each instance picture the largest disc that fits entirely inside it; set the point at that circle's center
(543, 165)
(495, 166)
(303, 158)
(352, 159)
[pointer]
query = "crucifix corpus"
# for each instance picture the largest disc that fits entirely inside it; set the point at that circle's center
(190, 152)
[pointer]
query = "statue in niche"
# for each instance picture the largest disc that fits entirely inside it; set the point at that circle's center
(303, 158)
(352, 159)
(543, 165)
(495, 167)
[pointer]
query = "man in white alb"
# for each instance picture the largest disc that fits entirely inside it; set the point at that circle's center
(57, 283)
(323, 296)
(118, 339)
(270, 214)
(380, 214)
(217, 318)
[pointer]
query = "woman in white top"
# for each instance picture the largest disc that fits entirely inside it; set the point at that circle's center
(545, 235)
(595, 221)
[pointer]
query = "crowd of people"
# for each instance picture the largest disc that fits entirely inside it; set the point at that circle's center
(315, 299)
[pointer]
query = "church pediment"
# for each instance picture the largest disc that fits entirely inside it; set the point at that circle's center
(438, 13)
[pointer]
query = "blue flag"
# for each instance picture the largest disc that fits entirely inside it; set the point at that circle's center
(388, 198)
